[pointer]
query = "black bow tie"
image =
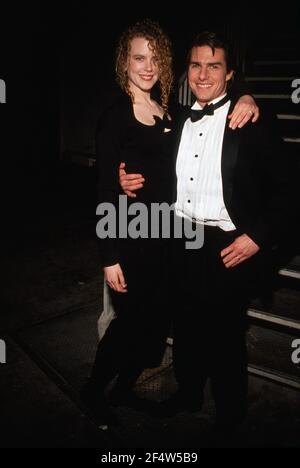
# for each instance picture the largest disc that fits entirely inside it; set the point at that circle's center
(197, 114)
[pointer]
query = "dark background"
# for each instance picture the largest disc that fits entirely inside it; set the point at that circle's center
(58, 64)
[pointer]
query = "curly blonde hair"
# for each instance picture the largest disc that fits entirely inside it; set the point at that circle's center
(161, 46)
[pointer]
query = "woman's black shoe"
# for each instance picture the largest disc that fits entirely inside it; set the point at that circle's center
(128, 398)
(98, 407)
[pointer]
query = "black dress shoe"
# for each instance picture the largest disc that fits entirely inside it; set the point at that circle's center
(230, 422)
(225, 431)
(180, 403)
(223, 435)
(98, 408)
(128, 398)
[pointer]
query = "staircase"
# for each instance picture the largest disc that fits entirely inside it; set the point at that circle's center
(273, 74)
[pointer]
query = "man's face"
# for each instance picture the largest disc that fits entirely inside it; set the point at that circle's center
(207, 74)
(142, 67)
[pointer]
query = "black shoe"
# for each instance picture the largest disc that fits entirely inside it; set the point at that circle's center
(180, 403)
(129, 399)
(225, 428)
(230, 423)
(222, 435)
(122, 397)
(225, 432)
(98, 407)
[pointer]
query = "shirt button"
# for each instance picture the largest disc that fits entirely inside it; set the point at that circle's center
(189, 201)
(191, 178)
(200, 134)
(196, 155)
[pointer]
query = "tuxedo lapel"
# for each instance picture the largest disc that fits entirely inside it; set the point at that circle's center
(230, 150)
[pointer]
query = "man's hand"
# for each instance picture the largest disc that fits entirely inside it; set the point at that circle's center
(130, 182)
(114, 277)
(240, 250)
(244, 110)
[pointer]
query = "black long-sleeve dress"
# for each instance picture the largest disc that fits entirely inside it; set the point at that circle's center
(136, 338)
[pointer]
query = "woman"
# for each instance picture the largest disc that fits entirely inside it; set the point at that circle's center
(136, 129)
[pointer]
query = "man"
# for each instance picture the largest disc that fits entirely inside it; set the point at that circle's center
(237, 186)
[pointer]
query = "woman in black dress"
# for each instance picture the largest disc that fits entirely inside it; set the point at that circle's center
(137, 129)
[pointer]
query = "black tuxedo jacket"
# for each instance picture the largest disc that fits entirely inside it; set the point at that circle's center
(258, 178)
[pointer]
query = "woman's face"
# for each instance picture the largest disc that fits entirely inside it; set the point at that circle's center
(142, 67)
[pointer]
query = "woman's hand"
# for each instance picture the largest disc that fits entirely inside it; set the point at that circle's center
(244, 110)
(114, 277)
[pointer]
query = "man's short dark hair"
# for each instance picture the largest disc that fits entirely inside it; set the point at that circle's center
(214, 41)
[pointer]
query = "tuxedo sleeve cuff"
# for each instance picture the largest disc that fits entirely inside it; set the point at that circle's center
(260, 234)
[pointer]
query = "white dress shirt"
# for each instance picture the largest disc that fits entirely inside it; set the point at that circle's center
(199, 179)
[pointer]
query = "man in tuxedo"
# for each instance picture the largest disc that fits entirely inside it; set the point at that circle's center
(236, 185)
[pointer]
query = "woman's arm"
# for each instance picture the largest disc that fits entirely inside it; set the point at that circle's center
(108, 142)
(246, 108)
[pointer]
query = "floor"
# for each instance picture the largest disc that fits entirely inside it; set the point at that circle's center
(52, 292)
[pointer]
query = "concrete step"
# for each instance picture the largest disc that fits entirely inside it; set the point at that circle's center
(289, 125)
(272, 85)
(35, 410)
(274, 68)
(286, 49)
(284, 302)
(274, 327)
(292, 270)
(272, 350)
(278, 103)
